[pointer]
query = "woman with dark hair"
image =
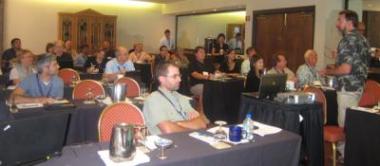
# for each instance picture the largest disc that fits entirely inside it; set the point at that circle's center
(220, 48)
(254, 75)
(231, 65)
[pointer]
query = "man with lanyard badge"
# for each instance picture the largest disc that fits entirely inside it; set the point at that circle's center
(43, 87)
(167, 111)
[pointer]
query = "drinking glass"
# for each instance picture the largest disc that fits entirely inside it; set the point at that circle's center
(220, 134)
(163, 144)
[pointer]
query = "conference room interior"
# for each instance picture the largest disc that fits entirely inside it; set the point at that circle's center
(190, 82)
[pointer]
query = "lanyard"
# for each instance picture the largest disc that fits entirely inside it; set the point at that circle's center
(312, 72)
(40, 88)
(183, 114)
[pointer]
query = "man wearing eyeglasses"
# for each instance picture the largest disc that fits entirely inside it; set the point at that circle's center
(166, 110)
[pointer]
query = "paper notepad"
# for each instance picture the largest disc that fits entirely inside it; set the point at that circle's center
(139, 158)
(29, 105)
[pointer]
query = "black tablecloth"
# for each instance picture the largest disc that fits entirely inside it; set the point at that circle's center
(287, 117)
(281, 149)
(221, 99)
(332, 106)
(145, 70)
(88, 76)
(82, 125)
(362, 138)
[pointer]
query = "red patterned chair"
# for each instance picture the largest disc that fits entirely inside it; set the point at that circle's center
(133, 88)
(68, 75)
(118, 113)
(81, 90)
(331, 134)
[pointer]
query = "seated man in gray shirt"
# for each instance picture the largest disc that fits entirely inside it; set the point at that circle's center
(167, 111)
(44, 87)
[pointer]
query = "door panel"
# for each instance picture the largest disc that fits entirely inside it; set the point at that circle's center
(268, 36)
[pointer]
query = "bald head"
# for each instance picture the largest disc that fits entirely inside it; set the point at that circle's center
(121, 55)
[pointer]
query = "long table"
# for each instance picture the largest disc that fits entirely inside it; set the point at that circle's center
(272, 150)
(287, 116)
(362, 138)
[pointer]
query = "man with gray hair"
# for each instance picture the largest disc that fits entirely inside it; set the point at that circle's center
(307, 74)
(118, 65)
(43, 87)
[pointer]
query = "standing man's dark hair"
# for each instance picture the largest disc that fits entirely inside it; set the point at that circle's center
(167, 31)
(351, 16)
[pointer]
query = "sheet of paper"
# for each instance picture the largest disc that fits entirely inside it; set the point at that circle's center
(139, 158)
(262, 129)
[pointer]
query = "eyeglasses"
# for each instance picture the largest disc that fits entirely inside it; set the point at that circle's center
(175, 76)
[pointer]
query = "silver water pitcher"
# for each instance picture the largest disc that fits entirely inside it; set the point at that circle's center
(122, 145)
(118, 92)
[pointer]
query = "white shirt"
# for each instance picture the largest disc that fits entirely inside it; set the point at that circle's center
(168, 43)
(245, 66)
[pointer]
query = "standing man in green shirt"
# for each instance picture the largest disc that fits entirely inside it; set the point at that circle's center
(166, 110)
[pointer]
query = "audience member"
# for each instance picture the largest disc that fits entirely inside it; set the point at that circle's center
(167, 41)
(64, 59)
(9, 54)
(118, 65)
(307, 74)
(43, 87)
(231, 65)
(246, 64)
(252, 83)
(280, 67)
(139, 55)
(96, 64)
(23, 67)
(200, 71)
(166, 110)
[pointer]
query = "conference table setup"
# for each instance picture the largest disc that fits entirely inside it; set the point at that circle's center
(284, 133)
(362, 130)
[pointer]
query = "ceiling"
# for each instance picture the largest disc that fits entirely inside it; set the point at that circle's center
(161, 1)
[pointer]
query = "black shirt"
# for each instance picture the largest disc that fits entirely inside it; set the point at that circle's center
(199, 67)
(224, 67)
(252, 83)
(92, 61)
(7, 56)
(217, 48)
(109, 54)
(65, 61)
(159, 59)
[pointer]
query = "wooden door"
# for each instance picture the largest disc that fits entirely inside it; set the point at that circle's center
(268, 36)
(287, 30)
(371, 20)
(299, 32)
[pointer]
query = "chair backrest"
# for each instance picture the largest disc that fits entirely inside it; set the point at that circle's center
(373, 87)
(118, 113)
(367, 99)
(82, 89)
(319, 97)
(67, 75)
(133, 88)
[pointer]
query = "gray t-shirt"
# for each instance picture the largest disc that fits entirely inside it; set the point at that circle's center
(34, 87)
(158, 109)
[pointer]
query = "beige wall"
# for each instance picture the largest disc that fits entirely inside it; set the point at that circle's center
(35, 22)
(192, 30)
(326, 36)
(189, 6)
